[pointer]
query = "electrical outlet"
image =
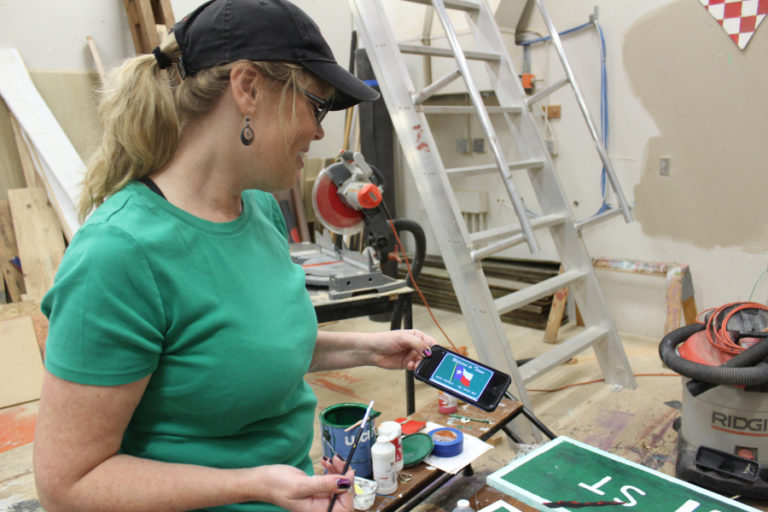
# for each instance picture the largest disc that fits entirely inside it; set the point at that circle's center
(665, 164)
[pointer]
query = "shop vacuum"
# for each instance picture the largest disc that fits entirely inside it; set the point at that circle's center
(723, 429)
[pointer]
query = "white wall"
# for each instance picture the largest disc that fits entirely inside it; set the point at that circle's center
(51, 36)
(677, 87)
(673, 77)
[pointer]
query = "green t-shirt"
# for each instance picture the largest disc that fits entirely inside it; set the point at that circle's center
(217, 313)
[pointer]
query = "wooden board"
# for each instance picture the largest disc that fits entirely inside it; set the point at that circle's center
(38, 233)
(31, 310)
(14, 281)
(21, 367)
(25, 157)
(60, 167)
(143, 17)
(547, 475)
(11, 174)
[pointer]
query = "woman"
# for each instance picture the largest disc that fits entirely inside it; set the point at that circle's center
(180, 331)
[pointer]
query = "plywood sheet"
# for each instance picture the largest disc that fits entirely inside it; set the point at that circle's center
(21, 367)
(31, 310)
(39, 237)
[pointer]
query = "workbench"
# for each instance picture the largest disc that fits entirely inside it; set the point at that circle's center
(424, 480)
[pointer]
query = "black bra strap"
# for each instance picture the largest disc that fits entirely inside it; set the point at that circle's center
(152, 186)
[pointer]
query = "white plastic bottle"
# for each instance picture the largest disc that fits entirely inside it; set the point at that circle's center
(463, 506)
(384, 472)
(393, 432)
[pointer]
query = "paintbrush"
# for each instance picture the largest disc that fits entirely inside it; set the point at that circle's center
(352, 450)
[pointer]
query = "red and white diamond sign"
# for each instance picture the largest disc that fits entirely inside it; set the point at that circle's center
(739, 18)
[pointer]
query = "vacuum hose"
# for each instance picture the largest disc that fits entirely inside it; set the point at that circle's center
(747, 368)
(420, 241)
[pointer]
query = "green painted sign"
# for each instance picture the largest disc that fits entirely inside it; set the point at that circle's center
(565, 470)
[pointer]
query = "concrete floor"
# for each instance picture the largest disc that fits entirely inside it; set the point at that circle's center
(570, 400)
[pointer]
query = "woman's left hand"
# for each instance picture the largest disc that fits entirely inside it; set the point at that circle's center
(402, 349)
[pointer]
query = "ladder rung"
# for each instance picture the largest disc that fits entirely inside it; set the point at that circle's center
(482, 237)
(458, 109)
(420, 49)
(536, 291)
(546, 92)
(464, 5)
(514, 236)
(482, 169)
(434, 87)
(597, 218)
(563, 353)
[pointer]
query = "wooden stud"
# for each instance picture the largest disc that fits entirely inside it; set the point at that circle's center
(689, 310)
(163, 12)
(144, 16)
(555, 319)
(142, 23)
(96, 57)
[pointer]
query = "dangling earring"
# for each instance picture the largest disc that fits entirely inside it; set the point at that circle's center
(246, 136)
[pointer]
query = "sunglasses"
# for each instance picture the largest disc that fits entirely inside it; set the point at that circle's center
(320, 107)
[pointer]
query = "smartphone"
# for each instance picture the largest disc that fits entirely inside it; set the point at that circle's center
(463, 378)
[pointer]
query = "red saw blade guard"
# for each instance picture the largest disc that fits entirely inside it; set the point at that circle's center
(331, 210)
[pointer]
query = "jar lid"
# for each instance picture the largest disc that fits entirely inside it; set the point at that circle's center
(415, 448)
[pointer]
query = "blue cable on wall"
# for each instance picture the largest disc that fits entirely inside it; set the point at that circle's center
(603, 116)
(603, 98)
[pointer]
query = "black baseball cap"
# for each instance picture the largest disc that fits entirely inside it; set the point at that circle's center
(222, 31)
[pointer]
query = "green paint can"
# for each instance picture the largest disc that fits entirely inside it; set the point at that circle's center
(334, 421)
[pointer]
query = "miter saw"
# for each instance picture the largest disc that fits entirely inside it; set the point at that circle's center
(347, 199)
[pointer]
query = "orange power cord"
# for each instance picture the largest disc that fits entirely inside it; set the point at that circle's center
(416, 286)
(718, 336)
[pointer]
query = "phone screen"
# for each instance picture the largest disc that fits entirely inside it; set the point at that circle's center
(464, 377)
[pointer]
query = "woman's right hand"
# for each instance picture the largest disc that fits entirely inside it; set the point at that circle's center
(294, 490)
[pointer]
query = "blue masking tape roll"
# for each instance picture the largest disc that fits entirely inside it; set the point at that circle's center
(448, 441)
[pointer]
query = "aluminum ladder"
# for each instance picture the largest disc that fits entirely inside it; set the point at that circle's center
(463, 252)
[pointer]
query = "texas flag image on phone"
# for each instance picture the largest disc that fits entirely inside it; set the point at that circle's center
(461, 374)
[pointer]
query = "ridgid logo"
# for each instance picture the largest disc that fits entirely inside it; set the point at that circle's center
(740, 424)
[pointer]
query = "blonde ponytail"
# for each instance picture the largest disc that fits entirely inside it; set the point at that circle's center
(142, 110)
(140, 128)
